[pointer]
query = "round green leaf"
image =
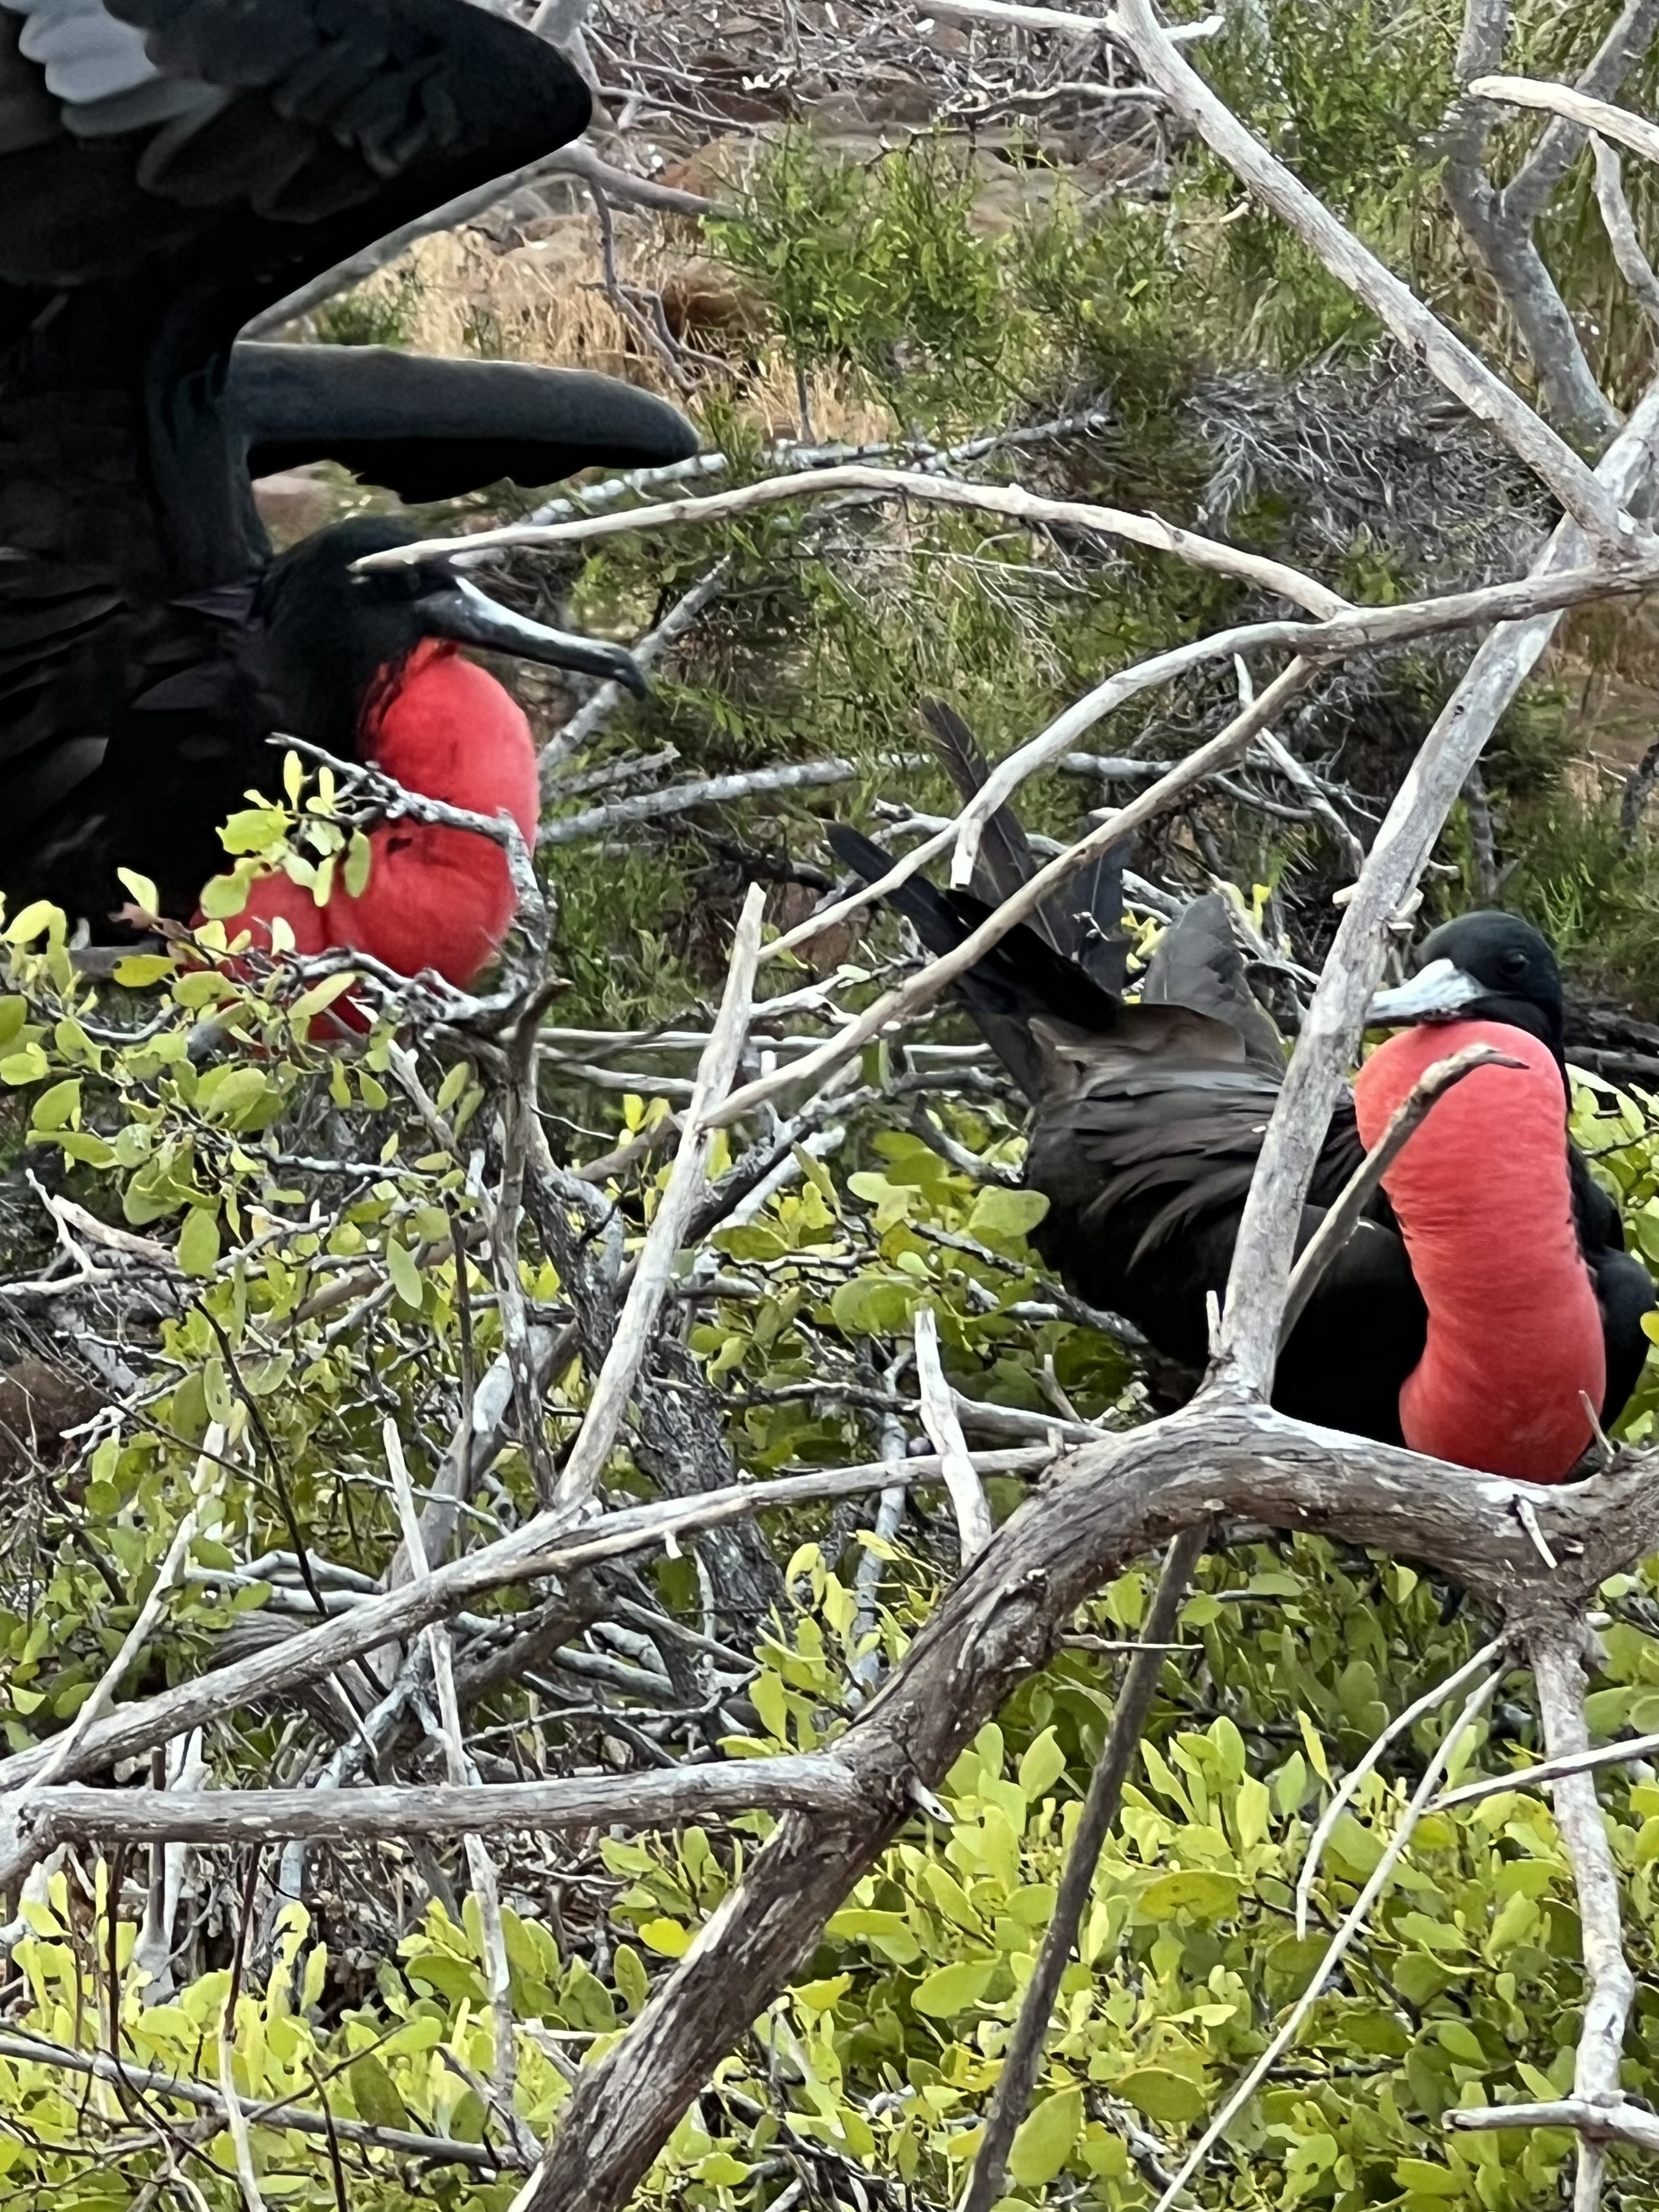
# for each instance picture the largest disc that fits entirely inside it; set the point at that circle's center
(1045, 2137)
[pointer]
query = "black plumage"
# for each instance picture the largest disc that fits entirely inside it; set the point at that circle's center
(167, 169)
(1148, 1119)
(1146, 1124)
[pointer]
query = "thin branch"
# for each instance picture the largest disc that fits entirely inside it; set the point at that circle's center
(1009, 500)
(592, 716)
(481, 1867)
(1342, 1218)
(1625, 1752)
(908, 999)
(1023, 2056)
(681, 797)
(1343, 1796)
(122, 2073)
(1291, 2026)
(576, 160)
(1601, 116)
(1609, 1984)
(208, 1476)
(1597, 2121)
(1463, 372)
(938, 1418)
(613, 1387)
(1632, 263)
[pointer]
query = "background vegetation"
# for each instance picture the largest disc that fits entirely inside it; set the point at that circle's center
(319, 1262)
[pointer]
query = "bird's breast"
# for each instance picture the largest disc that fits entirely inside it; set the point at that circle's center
(1482, 1195)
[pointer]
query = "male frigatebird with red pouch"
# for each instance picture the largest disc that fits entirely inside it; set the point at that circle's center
(1534, 1309)
(169, 169)
(1484, 1296)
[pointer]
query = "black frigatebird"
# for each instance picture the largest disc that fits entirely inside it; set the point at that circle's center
(1148, 1119)
(169, 169)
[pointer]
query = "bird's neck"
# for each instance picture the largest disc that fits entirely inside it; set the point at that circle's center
(1483, 1196)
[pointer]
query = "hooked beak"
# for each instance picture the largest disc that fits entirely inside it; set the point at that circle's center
(1438, 993)
(469, 616)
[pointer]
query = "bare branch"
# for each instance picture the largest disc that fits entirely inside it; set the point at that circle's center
(920, 990)
(1609, 1983)
(657, 1797)
(123, 2074)
(1023, 2056)
(608, 1402)
(546, 1545)
(1486, 396)
(1020, 506)
(681, 797)
(938, 1418)
(1589, 114)
(595, 712)
(1632, 263)
(1331, 1028)
(1107, 1505)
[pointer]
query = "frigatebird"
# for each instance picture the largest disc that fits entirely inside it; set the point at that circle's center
(1534, 1306)
(1487, 1285)
(167, 169)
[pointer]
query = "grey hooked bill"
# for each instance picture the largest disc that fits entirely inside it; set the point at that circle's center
(1439, 992)
(469, 616)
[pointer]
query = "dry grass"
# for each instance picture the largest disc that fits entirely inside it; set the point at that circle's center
(545, 302)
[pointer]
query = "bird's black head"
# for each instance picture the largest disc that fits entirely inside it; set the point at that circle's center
(1480, 968)
(328, 630)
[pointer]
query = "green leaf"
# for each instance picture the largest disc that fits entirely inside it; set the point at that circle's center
(627, 1971)
(359, 854)
(140, 891)
(1044, 2139)
(1166, 2097)
(33, 921)
(765, 1694)
(1042, 1766)
(405, 1275)
(320, 998)
(375, 2094)
(672, 1938)
(225, 896)
(26, 1066)
(55, 1108)
(951, 1989)
(140, 969)
(253, 829)
(1008, 1214)
(198, 1242)
(1198, 1890)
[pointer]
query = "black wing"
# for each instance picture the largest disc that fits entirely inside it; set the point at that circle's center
(235, 147)
(167, 168)
(432, 430)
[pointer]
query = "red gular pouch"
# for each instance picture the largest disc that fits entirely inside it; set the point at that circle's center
(436, 898)
(1482, 1195)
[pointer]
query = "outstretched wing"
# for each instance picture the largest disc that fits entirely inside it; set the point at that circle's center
(167, 168)
(431, 430)
(243, 146)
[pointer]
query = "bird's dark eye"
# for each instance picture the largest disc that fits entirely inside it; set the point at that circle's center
(1513, 963)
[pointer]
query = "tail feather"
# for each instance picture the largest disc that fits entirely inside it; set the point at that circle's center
(1020, 977)
(1084, 920)
(1005, 859)
(1198, 964)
